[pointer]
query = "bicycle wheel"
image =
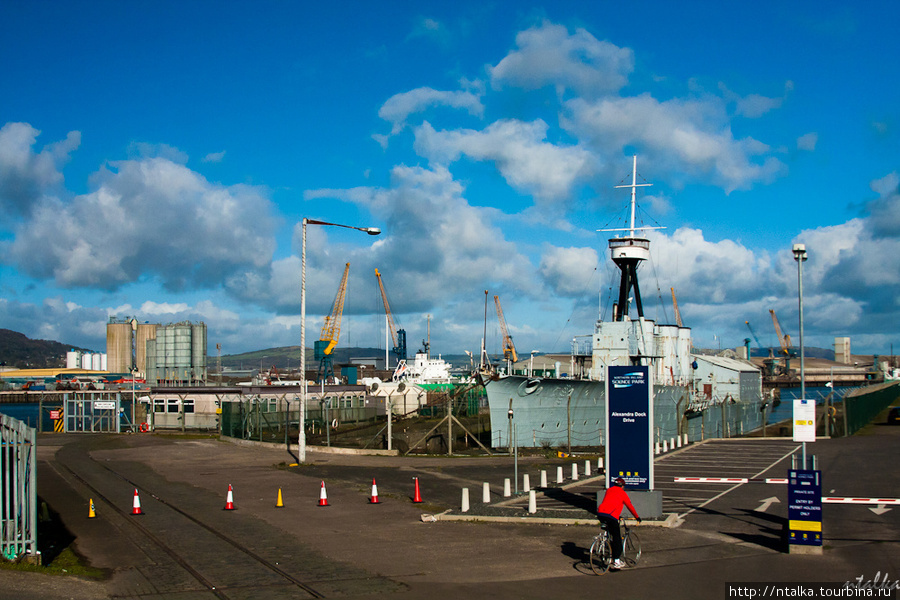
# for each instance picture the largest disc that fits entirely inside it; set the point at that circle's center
(600, 555)
(632, 552)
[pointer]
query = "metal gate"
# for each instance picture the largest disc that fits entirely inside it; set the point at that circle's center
(92, 412)
(18, 489)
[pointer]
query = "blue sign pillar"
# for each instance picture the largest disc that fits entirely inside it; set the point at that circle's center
(629, 426)
(804, 508)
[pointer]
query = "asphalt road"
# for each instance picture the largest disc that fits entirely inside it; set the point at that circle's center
(185, 543)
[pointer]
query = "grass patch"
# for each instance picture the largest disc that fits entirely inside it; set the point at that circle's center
(66, 563)
(58, 555)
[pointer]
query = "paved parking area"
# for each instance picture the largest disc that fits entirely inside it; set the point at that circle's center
(727, 538)
(741, 458)
(730, 458)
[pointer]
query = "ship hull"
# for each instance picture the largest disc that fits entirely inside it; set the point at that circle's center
(563, 413)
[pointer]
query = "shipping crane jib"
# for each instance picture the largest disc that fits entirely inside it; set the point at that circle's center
(398, 335)
(331, 332)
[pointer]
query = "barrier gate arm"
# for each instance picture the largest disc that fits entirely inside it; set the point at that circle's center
(783, 480)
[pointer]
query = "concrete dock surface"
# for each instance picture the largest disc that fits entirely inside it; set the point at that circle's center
(185, 545)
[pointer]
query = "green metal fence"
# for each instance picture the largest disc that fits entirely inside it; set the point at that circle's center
(267, 420)
(862, 406)
(18, 489)
(466, 400)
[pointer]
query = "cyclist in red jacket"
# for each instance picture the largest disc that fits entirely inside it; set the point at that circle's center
(609, 510)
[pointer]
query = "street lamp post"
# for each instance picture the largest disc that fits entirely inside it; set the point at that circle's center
(799, 251)
(134, 428)
(301, 442)
(531, 363)
(510, 415)
(512, 446)
(259, 376)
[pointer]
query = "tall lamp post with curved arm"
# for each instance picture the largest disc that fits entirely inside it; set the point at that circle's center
(799, 251)
(301, 452)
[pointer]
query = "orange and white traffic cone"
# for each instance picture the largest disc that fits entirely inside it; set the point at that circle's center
(136, 506)
(323, 497)
(229, 499)
(417, 497)
(374, 499)
(279, 503)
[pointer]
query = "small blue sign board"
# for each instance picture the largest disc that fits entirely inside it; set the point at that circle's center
(805, 507)
(629, 426)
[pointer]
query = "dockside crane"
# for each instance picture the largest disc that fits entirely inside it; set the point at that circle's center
(398, 336)
(753, 333)
(331, 332)
(783, 339)
(677, 312)
(509, 349)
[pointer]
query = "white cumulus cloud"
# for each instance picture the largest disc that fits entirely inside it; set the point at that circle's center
(520, 151)
(399, 107)
(25, 175)
(691, 136)
(149, 217)
(549, 55)
(565, 270)
(808, 141)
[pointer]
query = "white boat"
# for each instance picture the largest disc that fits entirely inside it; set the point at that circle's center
(423, 370)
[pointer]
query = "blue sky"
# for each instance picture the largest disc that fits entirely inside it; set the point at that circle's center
(156, 160)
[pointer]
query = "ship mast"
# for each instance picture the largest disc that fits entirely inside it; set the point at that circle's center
(628, 252)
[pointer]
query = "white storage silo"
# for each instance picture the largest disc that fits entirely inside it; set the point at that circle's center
(73, 359)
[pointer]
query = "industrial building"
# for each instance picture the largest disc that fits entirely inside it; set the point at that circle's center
(173, 354)
(731, 378)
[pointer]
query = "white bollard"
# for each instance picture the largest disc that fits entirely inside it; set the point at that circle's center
(532, 502)
(507, 491)
(656, 448)
(678, 441)
(587, 468)
(672, 443)
(559, 475)
(486, 493)
(686, 439)
(465, 500)
(574, 471)
(665, 446)
(543, 479)
(600, 464)
(526, 482)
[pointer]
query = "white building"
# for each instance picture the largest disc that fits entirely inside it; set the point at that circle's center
(731, 378)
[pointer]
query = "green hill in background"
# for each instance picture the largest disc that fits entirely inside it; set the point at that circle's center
(20, 351)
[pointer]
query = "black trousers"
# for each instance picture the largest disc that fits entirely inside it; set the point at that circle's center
(612, 526)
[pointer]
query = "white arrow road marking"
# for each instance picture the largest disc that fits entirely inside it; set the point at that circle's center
(767, 503)
(880, 509)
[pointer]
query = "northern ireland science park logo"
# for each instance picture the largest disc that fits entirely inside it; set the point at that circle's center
(626, 380)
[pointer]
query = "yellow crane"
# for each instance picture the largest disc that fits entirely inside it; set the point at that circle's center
(398, 336)
(331, 331)
(677, 312)
(783, 339)
(509, 349)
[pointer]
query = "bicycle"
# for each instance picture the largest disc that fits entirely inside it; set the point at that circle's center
(600, 553)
